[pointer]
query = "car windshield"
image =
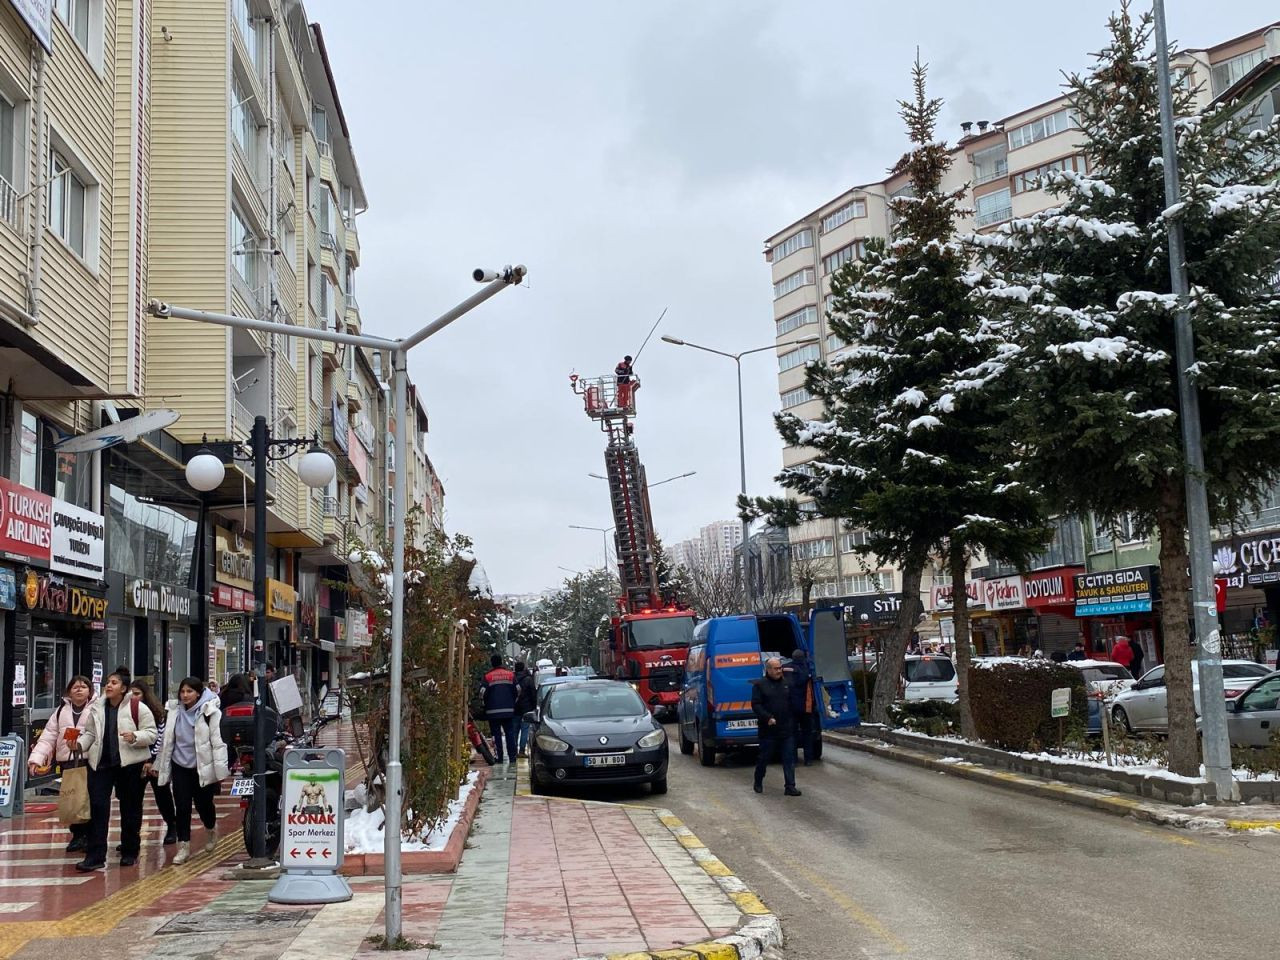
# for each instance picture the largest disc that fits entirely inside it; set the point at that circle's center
(660, 632)
(603, 700)
(1107, 671)
(929, 670)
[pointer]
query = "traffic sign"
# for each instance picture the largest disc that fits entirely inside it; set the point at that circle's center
(1060, 702)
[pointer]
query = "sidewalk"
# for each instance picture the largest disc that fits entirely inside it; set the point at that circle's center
(541, 879)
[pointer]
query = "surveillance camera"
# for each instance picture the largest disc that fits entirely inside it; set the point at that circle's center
(481, 275)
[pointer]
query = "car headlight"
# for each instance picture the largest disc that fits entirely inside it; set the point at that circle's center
(551, 744)
(650, 740)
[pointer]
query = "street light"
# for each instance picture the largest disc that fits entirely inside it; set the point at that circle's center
(742, 440)
(205, 472)
(679, 476)
(604, 539)
(495, 281)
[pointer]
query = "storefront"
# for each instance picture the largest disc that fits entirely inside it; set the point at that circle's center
(1051, 596)
(282, 614)
(227, 644)
(232, 604)
(1248, 571)
(1119, 603)
(1006, 625)
(159, 618)
(940, 598)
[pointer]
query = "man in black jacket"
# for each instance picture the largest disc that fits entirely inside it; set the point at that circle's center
(771, 703)
(526, 701)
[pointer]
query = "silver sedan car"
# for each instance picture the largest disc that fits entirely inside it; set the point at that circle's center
(1253, 718)
(1145, 705)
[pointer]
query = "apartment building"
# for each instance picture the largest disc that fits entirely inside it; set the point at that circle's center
(713, 547)
(998, 164)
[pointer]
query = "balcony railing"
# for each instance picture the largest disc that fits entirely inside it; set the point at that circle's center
(352, 304)
(994, 216)
(323, 148)
(10, 205)
(988, 172)
(328, 241)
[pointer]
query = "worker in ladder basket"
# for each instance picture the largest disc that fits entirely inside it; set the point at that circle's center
(624, 372)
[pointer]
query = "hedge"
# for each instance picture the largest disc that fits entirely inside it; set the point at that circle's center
(1010, 701)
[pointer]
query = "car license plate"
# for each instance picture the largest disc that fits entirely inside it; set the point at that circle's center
(605, 760)
(740, 725)
(242, 787)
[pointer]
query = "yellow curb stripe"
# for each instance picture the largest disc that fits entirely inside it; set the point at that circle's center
(1253, 824)
(748, 902)
(715, 951)
(646, 955)
(715, 868)
(671, 821)
(689, 841)
(677, 954)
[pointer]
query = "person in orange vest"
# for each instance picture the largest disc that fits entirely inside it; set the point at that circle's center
(800, 678)
(499, 692)
(624, 372)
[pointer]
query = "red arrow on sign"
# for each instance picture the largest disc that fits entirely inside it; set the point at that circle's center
(294, 853)
(326, 852)
(311, 853)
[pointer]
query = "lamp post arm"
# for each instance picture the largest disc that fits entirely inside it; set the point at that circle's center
(508, 279)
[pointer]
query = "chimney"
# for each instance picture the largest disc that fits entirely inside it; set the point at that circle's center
(967, 128)
(982, 126)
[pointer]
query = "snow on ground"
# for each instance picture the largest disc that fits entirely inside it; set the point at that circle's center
(363, 831)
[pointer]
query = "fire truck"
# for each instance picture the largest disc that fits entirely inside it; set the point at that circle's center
(649, 635)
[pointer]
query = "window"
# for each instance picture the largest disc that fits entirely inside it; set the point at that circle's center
(75, 14)
(793, 321)
(835, 342)
(287, 145)
(881, 582)
(813, 549)
(789, 361)
(797, 241)
(1228, 72)
(850, 211)
(834, 261)
(248, 30)
(990, 164)
(320, 124)
(1120, 530)
(1031, 179)
(852, 539)
(67, 194)
(992, 208)
(244, 249)
(794, 281)
(244, 125)
(148, 540)
(8, 162)
(793, 398)
(1054, 123)
(1262, 697)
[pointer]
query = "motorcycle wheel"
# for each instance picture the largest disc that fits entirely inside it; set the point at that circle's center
(273, 825)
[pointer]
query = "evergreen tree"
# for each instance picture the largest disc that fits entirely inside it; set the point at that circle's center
(898, 453)
(1084, 288)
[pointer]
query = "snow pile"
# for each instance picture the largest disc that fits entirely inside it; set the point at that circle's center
(363, 830)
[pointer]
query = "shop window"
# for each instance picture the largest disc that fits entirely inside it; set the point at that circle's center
(148, 540)
(63, 475)
(50, 672)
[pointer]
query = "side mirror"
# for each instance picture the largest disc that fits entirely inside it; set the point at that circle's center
(530, 717)
(1233, 706)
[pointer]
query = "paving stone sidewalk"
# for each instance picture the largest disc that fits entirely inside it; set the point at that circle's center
(541, 879)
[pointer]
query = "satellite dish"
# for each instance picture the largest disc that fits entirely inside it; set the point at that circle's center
(122, 432)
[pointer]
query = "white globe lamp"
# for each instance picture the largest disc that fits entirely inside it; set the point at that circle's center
(316, 468)
(205, 471)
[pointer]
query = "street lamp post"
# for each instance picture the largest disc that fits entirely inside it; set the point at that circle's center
(604, 540)
(205, 472)
(494, 281)
(742, 440)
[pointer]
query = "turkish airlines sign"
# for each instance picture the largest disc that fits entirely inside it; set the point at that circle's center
(61, 536)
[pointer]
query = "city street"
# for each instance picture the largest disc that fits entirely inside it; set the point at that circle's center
(879, 859)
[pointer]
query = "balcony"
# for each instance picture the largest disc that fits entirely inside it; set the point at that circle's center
(995, 215)
(241, 420)
(355, 396)
(353, 310)
(353, 241)
(10, 205)
(335, 524)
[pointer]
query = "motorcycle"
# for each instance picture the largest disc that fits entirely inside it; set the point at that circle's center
(237, 733)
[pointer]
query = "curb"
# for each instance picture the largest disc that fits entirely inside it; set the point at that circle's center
(757, 931)
(424, 861)
(1112, 803)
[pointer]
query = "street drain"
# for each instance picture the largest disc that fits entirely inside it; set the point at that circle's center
(208, 922)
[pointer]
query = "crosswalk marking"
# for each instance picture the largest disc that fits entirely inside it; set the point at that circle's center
(42, 881)
(17, 907)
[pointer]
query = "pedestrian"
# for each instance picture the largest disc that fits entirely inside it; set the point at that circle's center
(499, 692)
(116, 740)
(526, 701)
(771, 703)
(213, 686)
(1139, 655)
(193, 761)
(54, 745)
(238, 689)
(1121, 652)
(163, 796)
(800, 679)
(1077, 652)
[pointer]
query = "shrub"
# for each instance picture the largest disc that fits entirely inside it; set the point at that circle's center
(1258, 761)
(933, 717)
(1010, 703)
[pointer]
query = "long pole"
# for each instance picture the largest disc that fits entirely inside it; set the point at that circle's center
(395, 773)
(1216, 740)
(259, 442)
(742, 466)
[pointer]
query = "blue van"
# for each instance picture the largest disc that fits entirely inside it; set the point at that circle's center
(728, 653)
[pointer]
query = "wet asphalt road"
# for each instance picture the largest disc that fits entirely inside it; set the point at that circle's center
(879, 859)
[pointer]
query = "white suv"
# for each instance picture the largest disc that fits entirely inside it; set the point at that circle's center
(929, 677)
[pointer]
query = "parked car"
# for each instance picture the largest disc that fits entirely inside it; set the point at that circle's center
(1254, 717)
(1144, 706)
(595, 731)
(929, 677)
(1104, 677)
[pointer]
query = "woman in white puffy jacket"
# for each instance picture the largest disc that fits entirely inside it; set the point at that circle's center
(193, 760)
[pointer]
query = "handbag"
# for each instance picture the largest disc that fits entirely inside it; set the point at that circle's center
(73, 797)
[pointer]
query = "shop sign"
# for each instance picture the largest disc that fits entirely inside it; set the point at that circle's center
(1050, 587)
(226, 626)
(876, 607)
(281, 600)
(47, 593)
(232, 598)
(51, 533)
(1249, 561)
(8, 589)
(359, 459)
(19, 693)
(1003, 593)
(79, 541)
(25, 518)
(358, 627)
(38, 16)
(1113, 592)
(147, 596)
(940, 596)
(232, 559)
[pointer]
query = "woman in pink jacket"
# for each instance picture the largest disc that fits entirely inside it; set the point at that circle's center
(53, 746)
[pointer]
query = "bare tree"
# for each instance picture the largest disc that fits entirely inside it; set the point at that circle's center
(712, 590)
(806, 572)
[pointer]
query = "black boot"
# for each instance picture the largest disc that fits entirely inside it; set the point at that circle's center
(77, 844)
(792, 792)
(170, 838)
(88, 866)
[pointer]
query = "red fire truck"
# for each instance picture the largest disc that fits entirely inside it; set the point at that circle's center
(649, 636)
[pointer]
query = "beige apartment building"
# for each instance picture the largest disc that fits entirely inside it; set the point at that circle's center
(998, 163)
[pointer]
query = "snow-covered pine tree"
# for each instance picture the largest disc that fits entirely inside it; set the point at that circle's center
(898, 454)
(1085, 291)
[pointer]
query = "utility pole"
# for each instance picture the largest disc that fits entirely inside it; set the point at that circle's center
(1216, 740)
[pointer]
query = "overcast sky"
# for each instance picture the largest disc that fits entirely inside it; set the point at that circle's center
(635, 156)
